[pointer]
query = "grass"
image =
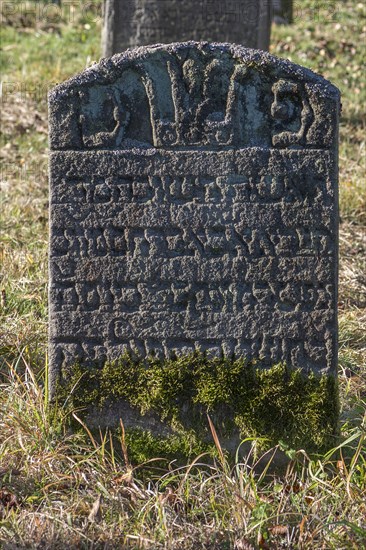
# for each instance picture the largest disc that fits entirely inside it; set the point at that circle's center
(78, 490)
(59, 488)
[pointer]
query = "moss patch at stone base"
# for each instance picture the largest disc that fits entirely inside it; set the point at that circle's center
(143, 445)
(279, 403)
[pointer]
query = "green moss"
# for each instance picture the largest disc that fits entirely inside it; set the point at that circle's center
(279, 403)
(142, 445)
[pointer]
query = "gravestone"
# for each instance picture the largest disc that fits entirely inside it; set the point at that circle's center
(194, 206)
(282, 11)
(131, 23)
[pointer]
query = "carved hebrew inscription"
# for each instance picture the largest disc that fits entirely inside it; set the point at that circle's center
(171, 99)
(193, 206)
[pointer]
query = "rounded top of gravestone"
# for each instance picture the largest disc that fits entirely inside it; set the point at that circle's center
(109, 68)
(193, 94)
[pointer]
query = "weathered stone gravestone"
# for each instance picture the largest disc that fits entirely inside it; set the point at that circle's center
(194, 206)
(131, 23)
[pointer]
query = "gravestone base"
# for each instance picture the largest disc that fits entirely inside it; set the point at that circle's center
(165, 405)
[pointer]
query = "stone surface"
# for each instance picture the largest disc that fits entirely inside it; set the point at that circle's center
(194, 205)
(131, 23)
